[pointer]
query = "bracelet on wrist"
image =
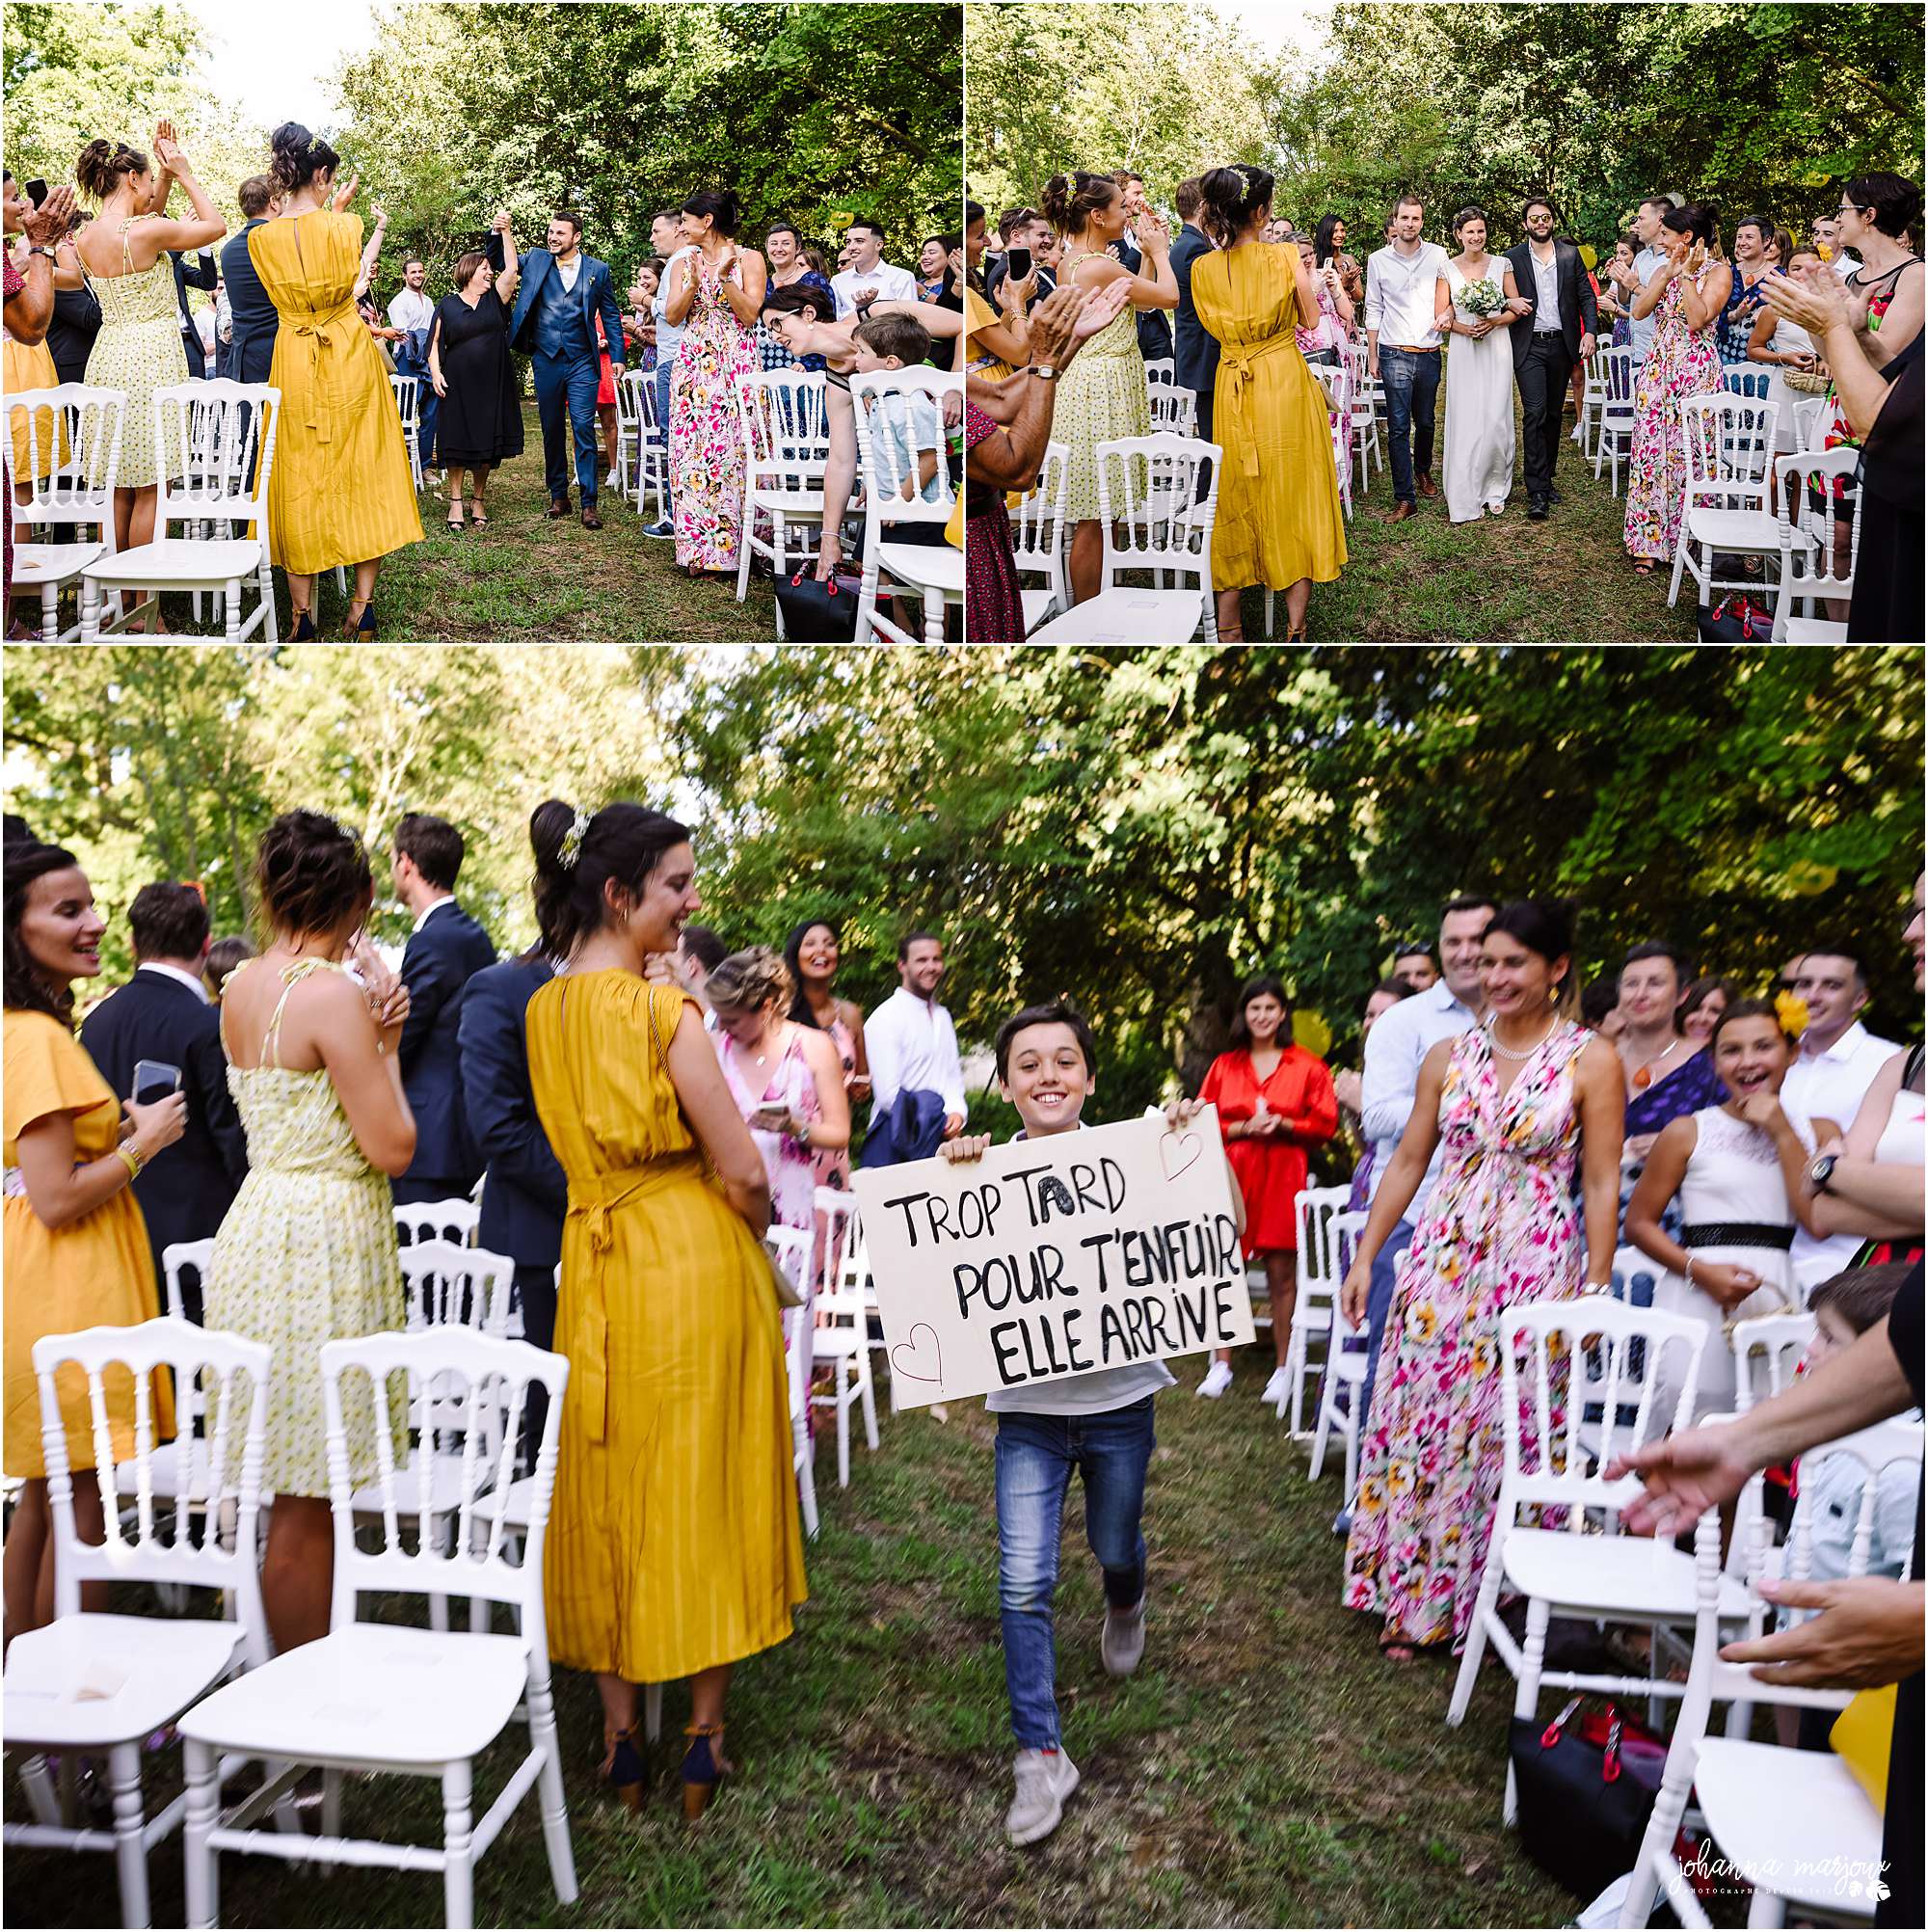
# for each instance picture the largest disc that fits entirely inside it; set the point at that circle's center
(132, 1156)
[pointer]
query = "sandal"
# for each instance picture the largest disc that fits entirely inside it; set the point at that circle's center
(454, 517)
(1643, 566)
(624, 1766)
(303, 631)
(478, 516)
(704, 1768)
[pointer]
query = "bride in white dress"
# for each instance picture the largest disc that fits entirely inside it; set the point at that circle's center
(1479, 377)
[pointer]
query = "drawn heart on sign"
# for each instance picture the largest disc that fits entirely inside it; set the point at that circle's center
(1179, 1152)
(905, 1354)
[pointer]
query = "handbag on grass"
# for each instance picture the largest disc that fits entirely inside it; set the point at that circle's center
(1741, 618)
(817, 612)
(1585, 1790)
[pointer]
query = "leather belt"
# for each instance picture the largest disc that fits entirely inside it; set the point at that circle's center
(1737, 1234)
(1403, 350)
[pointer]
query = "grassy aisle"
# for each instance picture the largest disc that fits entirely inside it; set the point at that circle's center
(1502, 580)
(1263, 1768)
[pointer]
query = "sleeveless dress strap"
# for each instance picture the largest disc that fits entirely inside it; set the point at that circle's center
(126, 248)
(291, 978)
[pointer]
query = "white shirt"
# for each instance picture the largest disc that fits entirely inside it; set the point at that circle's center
(568, 270)
(1844, 265)
(1642, 326)
(1398, 296)
(893, 285)
(433, 907)
(1547, 293)
(186, 978)
(1829, 1084)
(1401, 1038)
(411, 310)
(669, 335)
(224, 314)
(912, 1044)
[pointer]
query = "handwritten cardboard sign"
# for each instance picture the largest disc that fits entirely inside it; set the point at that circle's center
(1054, 1258)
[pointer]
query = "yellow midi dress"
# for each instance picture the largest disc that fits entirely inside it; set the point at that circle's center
(1278, 516)
(31, 367)
(340, 491)
(95, 1271)
(673, 1545)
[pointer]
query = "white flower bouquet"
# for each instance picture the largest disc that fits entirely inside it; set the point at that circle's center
(1483, 298)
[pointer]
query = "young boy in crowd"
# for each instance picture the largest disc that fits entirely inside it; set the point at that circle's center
(1098, 1424)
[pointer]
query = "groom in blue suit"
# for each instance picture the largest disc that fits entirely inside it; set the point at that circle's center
(562, 288)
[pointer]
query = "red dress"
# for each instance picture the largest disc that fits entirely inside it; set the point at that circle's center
(1272, 1171)
(605, 388)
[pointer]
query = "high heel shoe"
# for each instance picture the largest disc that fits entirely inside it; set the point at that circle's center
(625, 1769)
(704, 1768)
(361, 630)
(304, 632)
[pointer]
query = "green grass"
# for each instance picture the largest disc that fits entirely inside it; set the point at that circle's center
(1263, 1767)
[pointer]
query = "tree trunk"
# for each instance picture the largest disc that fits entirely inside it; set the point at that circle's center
(1209, 995)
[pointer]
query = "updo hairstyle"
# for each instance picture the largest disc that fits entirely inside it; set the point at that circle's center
(102, 164)
(623, 842)
(748, 981)
(310, 874)
(1474, 213)
(720, 205)
(1070, 201)
(1545, 927)
(1231, 198)
(299, 156)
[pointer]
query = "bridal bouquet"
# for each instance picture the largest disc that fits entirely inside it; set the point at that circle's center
(1483, 298)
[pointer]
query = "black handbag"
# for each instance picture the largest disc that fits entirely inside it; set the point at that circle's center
(1586, 1792)
(819, 612)
(1741, 618)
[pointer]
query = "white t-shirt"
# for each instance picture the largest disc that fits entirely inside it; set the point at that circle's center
(1091, 1394)
(411, 310)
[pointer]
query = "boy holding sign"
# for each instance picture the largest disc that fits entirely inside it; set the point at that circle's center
(1098, 1424)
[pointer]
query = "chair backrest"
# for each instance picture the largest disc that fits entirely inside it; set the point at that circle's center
(184, 1257)
(629, 402)
(1347, 1226)
(846, 1286)
(1174, 411)
(1810, 507)
(1624, 1358)
(785, 426)
(899, 420)
(790, 1248)
(1634, 1277)
(1744, 379)
(222, 426)
(1148, 503)
(408, 399)
(479, 1387)
(1160, 376)
(641, 386)
(453, 1220)
(213, 1520)
(451, 1286)
(1038, 523)
(1319, 1268)
(1770, 1348)
(1616, 372)
(77, 429)
(1730, 442)
(1809, 422)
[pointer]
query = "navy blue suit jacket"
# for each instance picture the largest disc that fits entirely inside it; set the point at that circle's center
(441, 958)
(1154, 324)
(184, 1189)
(526, 1198)
(250, 353)
(1198, 348)
(593, 290)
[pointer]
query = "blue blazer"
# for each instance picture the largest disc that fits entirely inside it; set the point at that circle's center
(593, 289)
(185, 1190)
(526, 1197)
(1197, 349)
(251, 351)
(1154, 325)
(911, 1131)
(439, 961)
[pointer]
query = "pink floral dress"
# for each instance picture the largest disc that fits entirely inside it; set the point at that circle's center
(1501, 1225)
(717, 356)
(1679, 363)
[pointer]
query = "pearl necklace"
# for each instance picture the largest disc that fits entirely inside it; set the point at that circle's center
(1507, 1052)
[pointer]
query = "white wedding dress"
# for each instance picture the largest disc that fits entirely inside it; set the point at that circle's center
(1478, 410)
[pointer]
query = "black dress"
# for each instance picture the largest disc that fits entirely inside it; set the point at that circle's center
(480, 420)
(1886, 608)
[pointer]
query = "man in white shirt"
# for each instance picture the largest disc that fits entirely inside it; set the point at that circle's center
(1834, 1068)
(413, 309)
(910, 1039)
(1647, 231)
(1828, 233)
(1400, 281)
(869, 276)
(1398, 1041)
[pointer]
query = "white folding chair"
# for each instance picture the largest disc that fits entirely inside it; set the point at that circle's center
(454, 1219)
(1174, 410)
(1767, 1353)
(73, 449)
(1037, 537)
(1613, 436)
(1154, 520)
(845, 1340)
(374, 1697)
(1592, 403)
(1795, 1825)
(1368, 399)
(892, 498)
(1810, 515)
(1317, 1265)
(408, 406)
(104, 1683)
(1811, 422)
(1339, 420)
(222, 426)
(785, 429)
(1617, 1359)
(652, 468)
(1345, 1379)
(177, 1469)
(1730, 443)
(791, 1249)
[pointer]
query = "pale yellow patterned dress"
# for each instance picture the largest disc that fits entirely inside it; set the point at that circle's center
(139, 350)
(306, 1254)
(1101, 397)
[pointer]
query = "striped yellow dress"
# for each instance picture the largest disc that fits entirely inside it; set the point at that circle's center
(674, 1542)
(340, 491)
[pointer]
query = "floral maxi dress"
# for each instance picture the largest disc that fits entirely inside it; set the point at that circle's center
(1679, 363)
(1499, 1227)
(715, 358)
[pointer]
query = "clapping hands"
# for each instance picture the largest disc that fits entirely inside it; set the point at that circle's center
(49, 223)
(1153, 235)
(345, 194)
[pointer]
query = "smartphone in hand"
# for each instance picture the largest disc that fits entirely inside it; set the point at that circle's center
(1017, 263)
(154, 1079)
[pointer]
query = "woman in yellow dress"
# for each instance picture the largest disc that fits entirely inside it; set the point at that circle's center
(340, 491)
(673, 1548)
(76, 1247)
(1278, 517)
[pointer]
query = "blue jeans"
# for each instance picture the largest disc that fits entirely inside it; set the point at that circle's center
(1378, 1305)
(664, 369)
(1412, 384)
(1036, 1455)
(569, 381)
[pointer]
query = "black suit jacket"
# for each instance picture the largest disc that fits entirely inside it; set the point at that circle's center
(447, 952)
(70, 334)
(1198, 348)
(185, 278)
(1154, 324)
(184, 1189)
(526, 1198)
(1579, 313)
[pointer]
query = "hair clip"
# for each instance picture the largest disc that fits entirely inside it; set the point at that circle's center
(571, 842)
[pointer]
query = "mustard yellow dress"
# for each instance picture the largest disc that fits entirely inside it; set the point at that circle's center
(95, 1271)
(32, 367)
(1278, 517)
(340, 491)
(673, 1545)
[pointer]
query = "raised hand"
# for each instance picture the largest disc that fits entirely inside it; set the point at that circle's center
(1153, 234)
(167, 152)
(1103, 308)
(345, 194)
(49, 223)
(500, 224)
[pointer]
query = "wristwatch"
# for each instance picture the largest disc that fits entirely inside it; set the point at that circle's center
(1822, 1173)
(1044, 372)
(48, 253)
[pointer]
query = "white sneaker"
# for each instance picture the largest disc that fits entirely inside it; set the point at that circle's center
(1121, 1641)
(1578, 436)
(1218, 1380)
(1045, 1780)
(1278, 1390)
